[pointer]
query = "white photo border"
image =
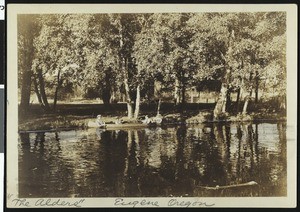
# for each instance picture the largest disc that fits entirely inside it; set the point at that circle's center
(12, 99)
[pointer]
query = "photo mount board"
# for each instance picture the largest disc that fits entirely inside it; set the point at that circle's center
(12, 198)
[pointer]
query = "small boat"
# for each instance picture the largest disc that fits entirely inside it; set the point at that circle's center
(119, 126)
(93, 124)
(251, 183)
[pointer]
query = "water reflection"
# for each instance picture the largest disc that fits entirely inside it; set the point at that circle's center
(177, 161)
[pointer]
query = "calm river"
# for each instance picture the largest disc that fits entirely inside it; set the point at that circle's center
(156, 162)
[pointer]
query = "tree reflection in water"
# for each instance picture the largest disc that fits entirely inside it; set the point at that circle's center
(177, 161)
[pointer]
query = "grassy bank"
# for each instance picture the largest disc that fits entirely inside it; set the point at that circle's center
(77, 116)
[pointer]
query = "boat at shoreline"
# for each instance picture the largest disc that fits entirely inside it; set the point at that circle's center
(92, 124)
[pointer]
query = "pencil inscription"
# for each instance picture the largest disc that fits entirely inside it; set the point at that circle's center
(135, 203)
(47, 202)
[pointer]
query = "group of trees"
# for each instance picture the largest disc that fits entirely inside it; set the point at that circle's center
(128, 53)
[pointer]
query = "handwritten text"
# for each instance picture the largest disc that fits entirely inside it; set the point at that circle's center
(48, 202)
(134, 203)
(183, 203)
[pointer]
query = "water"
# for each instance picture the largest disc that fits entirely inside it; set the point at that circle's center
(155, 162)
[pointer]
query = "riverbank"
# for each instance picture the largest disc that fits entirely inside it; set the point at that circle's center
(60, 122)
(207, 116)
(70, 116)
(63, 122)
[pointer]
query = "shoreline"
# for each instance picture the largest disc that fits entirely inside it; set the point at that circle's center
(69, 122)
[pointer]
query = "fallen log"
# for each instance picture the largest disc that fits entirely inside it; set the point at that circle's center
(251, 183)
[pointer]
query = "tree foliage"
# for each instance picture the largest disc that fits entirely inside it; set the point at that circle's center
(130, 53)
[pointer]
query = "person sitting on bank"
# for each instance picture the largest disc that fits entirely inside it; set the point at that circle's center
(158, 119)
(119, 121)
(146, 120)
(99, 121)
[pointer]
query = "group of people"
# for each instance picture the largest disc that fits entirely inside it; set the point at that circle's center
(155, 120)
(101, 123)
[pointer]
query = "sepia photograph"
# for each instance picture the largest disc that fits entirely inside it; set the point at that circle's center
(151, 107)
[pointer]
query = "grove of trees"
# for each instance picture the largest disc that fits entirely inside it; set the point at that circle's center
(113, 54)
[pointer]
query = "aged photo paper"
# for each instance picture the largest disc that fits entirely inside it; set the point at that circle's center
(147, 105)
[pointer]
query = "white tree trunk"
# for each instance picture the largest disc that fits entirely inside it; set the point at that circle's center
(246, 105)
(128, 100)
(137, 102)
(192, 96)
(221, 102)
(127, 92)
(176, 92)
(158, 107)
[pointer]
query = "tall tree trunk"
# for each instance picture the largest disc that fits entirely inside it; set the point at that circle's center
(37, 92)
(176, 92)
(282, 102)
(106, 92)
(138, 98)
(256, 86)
(25, 92)
(56, 91)
(228, 101)
(256, 143)
(42, 89)
(112, 97)
(25, 54)
(192, 95)
(106, 96)
(158, 106)
(221, 102)
(199, 97)
(128, 99)
(183, 91)
(248, 98)
(124, 69)
(238, 100)
(246, 103)
(151, 91)
(137, 102)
